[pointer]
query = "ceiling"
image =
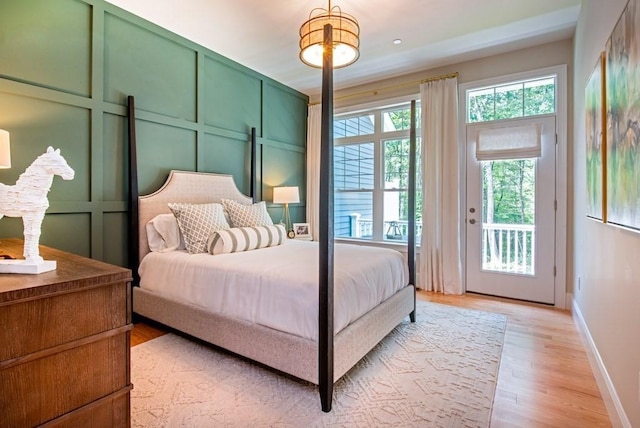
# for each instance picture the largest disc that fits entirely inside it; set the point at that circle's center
(263, 34)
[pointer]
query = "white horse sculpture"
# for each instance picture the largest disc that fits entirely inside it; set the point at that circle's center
(28, 198)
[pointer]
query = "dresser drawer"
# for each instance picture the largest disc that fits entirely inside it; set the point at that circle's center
(110, 412)
(32, 325)
(42, 389)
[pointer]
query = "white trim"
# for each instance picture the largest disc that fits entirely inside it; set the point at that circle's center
(560, 71)
(378, 139)
(375, 105)
(617, 415)
(561, 189)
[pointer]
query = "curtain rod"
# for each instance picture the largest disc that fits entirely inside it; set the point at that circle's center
(399, 85)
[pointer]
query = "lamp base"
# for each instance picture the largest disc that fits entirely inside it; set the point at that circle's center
(22, 267)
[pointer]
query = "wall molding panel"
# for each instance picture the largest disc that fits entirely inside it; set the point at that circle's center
(64, 82)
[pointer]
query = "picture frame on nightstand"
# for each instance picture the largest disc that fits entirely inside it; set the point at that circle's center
(302, 231)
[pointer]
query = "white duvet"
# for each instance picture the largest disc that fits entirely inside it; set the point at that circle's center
(277, 286)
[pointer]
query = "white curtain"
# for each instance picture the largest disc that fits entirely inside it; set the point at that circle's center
(439, 262)
(314, 119)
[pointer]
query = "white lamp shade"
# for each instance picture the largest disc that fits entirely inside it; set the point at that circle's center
(286, 195)
(5, 150)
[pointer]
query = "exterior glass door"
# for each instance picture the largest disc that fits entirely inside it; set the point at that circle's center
(510, 213)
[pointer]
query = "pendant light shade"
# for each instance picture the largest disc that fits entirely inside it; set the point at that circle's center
(346, 33)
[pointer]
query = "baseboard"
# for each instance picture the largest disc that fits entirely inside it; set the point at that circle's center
(617, 415)
(568, 302)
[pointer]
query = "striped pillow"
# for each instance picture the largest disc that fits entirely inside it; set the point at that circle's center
(245, 238)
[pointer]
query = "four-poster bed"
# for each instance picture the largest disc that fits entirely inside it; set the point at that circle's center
(338, 341)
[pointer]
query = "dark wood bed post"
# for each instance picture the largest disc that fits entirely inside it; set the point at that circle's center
(134, 241)
(325, 243)
(252, 189)
(411, 232)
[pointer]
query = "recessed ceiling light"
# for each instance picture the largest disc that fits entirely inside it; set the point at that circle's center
(397, 41)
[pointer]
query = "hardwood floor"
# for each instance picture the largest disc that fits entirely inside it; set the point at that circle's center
(544, 380)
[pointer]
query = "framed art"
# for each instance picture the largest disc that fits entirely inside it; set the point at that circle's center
(623, 120)
(302, 230)
(595, 121)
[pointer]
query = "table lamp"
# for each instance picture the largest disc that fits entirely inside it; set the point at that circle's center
(286, 195)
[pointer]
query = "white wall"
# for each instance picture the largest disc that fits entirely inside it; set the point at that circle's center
(542, 56)
(606, 259)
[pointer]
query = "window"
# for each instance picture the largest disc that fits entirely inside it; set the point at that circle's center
(371, 174)
(511, 100)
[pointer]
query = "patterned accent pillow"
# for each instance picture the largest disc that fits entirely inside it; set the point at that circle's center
(242, 215)
(197, 222)
(245, 238)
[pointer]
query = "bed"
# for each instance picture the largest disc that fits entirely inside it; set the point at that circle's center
(175, 289)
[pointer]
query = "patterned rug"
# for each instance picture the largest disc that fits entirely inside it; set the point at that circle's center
(439, 372)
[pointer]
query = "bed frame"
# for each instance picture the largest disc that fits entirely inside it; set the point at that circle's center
(303, 358)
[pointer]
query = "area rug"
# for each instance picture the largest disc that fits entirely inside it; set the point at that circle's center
(438, 372)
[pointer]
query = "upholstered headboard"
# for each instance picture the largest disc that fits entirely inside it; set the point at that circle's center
(184, 186)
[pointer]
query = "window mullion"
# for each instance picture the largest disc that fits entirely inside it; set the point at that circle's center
(360, 204)
(378, 188)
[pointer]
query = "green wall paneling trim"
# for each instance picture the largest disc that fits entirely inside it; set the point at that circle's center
(281, 122)
(285, 168)
(115, 158)
(237, 153)
(235, 96)
(50, 48)
(69, 232)
(114, 238)
(162, 148)
(34, 125)
(65, 75)
(159, 72)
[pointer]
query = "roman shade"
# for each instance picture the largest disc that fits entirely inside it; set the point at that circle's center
(516, 142)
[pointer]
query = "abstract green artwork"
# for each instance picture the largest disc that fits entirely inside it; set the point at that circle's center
(623, 120)
(596, 142)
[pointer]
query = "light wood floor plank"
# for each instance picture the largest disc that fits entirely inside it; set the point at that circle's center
(544, 379)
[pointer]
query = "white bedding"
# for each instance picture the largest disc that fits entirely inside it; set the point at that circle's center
(277, 286)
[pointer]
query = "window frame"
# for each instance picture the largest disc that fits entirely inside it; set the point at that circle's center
(378, 138)
(560, 71)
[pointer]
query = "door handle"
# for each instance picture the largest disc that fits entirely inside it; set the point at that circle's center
(472, 221)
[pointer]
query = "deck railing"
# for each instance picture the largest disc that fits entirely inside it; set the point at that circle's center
(393, 230)
(508, 248)
(505, 247)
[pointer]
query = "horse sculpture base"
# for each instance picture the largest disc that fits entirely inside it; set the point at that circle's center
(21, 266)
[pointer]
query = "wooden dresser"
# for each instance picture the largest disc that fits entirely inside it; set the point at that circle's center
(64, 343)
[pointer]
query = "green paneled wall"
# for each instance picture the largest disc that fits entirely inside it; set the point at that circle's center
(47, 43)
(66, 69)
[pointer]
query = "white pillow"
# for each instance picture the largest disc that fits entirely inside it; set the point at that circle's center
(163, 234)
(197, 222)
(242, 215)
(245, 238)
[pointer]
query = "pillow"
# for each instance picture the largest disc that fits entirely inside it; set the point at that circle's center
(163, 234)
(245, 238)
(242, 215)
(197, 222)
